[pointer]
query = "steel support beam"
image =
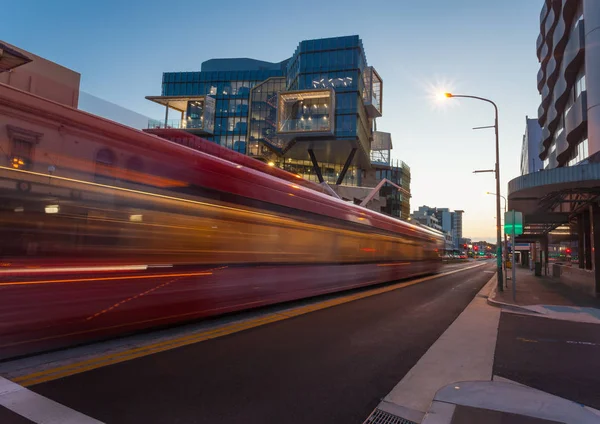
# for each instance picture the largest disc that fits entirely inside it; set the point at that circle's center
(316, 166)
(346, 166)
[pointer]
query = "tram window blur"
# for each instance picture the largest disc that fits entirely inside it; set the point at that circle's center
(105, 163)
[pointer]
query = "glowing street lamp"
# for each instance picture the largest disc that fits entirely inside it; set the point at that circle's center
(497, 172)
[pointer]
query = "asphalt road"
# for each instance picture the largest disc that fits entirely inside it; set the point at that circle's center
(558, 357)
(332, 365)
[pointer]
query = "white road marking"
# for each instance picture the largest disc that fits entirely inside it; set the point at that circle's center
(37, 408)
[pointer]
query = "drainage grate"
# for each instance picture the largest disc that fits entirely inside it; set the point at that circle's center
(381, 417)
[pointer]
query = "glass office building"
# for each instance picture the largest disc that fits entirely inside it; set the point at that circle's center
(312, 114)
(231, 91)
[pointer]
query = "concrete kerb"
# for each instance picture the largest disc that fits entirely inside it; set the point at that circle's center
(491, 300)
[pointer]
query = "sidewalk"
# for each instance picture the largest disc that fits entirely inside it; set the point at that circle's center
(470, 374)
(547, 296)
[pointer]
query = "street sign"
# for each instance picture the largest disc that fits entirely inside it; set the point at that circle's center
(513, 223)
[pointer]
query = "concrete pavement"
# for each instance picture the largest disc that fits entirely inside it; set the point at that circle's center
(464, 352)
(488, 347)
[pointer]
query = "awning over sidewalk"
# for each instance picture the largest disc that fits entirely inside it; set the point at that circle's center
(549, 198)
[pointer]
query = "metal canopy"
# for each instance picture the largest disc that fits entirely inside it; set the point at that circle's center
(550, 198)
(174, 102)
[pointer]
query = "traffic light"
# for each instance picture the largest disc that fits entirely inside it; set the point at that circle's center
(476, 248)
(464, 246)
(568, 251)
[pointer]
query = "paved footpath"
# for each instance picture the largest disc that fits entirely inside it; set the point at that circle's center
(488, 364)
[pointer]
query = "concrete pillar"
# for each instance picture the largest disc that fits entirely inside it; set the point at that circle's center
(581, 241)
(546, 254)
(542, 253)
(595, 221)
(587, 239)
(167, 115)
(591, 16)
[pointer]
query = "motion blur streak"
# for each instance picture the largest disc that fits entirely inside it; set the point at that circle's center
(48, 270)
(83, 280)
(87, 183)
(92, 196)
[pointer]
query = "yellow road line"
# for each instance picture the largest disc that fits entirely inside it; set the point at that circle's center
(126, 355)
(83, 280)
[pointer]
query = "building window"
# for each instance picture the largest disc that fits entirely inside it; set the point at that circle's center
(21, 154)
(580, 85)
(579, 154)
(23, 143)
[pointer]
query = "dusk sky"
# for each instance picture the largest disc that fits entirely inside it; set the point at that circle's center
(477, 47)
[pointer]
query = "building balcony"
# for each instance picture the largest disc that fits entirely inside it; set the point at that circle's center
(544, 56)
(569, 9)
(546, 97)
(179, 124)
(306, 113)
(551, 73)
(197, 113)
(553, 118)
(538, 46)
(574, 53)
(541, 78)
(552, 162)
(542, 150)
(576, 119)
(544, 13)
(542, 115)
(546, 137)
(549, 25)
(561, 36)
(561, 93)
(373, 92)
(562, 148)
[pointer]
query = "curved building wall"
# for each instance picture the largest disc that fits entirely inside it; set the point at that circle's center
(591, 13)
(568, 50)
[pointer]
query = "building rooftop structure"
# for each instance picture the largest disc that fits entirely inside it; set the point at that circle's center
(39, 76)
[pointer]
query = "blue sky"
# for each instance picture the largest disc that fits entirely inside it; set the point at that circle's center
(484, 48)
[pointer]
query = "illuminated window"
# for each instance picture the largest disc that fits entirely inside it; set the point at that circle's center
(308, 111)
(23, 143)
(21, 154)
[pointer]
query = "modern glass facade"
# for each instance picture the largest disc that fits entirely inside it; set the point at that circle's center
(311, 114)
(397, 201)
(336, 63)
(262, 135)
(231, 90)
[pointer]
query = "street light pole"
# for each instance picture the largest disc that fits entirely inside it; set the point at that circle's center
(505, 242)
(497, 169)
